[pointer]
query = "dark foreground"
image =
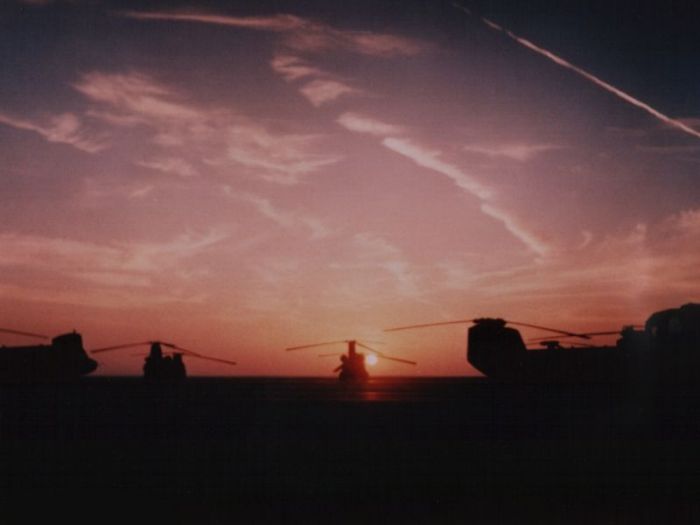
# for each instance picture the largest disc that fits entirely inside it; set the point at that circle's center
(427, 451)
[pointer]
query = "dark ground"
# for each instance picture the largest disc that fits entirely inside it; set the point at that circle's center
(433, 451)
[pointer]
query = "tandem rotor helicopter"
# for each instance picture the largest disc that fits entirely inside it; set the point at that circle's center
(352, 365)
(162, 367)
(64, 359)
(667, 348)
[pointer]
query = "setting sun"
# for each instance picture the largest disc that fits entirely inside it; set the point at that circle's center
(371, 359)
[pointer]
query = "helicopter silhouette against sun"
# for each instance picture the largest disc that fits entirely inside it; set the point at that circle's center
(160, 366)
(352, 364)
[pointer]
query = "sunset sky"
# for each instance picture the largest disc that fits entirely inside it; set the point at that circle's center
(239, 177)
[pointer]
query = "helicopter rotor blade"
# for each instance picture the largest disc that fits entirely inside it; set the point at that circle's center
(427, 325)
(119, 347)
(128, 345)
(314, 345)
(192, 353)
(215, 359)
(464, 321)
(384, 356)
(27, 334)
(182, 350)
(588, 334)
(368, 348)
(397, 359)
(547, 329)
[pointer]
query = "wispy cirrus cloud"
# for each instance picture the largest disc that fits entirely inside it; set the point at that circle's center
(518, 229)
(364, 124)
(520, 152)
(320, 91)
(646, 262)
(322, 88)
(432, 160)
(65, 128)
(300, 33)
(292, 67)
(141, 192)
(374, 250)
(172, 165)
(74, 256)
(674, 123)
(286, 219)
(115, 274)
(137, 96)
(214, 136)
(266, 23)
(284, 158)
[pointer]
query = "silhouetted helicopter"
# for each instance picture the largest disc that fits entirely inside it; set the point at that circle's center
(62, 360)
(352, 364)
(158, 367)
(667, 349)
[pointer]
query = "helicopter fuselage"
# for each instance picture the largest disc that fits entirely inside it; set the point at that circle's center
(668, 349)
(64, 359)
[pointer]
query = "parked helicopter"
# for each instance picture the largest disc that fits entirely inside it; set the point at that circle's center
(667, 348)
(162, 368)
(64, 359)
(352, 365)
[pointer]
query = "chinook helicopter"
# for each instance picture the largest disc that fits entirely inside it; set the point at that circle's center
(64, 359)
(160, 367)
(667, 349)
(352, 365)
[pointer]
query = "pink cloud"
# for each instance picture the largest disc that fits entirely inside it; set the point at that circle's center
(371, 252)
(116, 274)
(283, 157)
(645, 264)
(63, 129)
(320, 91)
(517, 151)
(266, 23)
(363, 124)
(136, 95)
(385, 45)
(72, 256)
(287, 219)
(431, 160)
(217, 136)
(173, 165)
(293, 68)
(518, 229)
(302, 34)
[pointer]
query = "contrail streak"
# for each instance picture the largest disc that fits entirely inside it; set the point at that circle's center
(585, 74)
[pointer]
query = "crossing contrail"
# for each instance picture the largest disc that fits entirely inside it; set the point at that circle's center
(585, 74)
